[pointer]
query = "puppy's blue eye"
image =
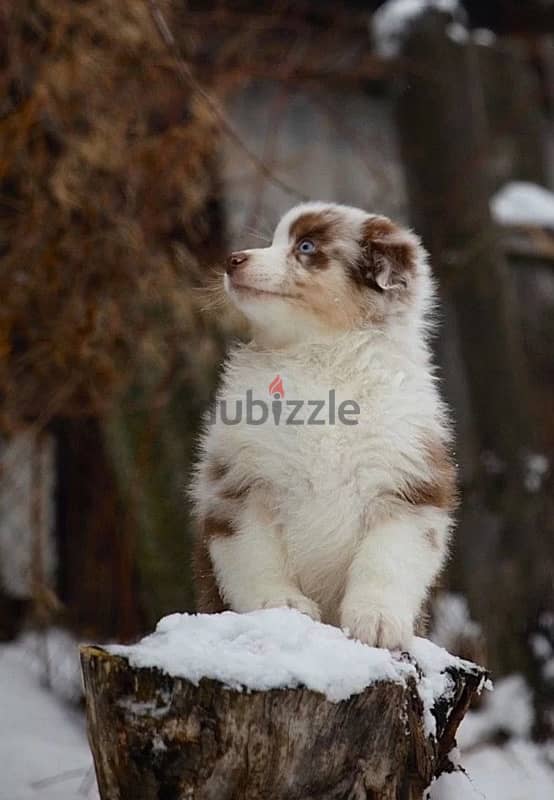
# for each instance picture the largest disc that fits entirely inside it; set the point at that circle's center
(306, 246)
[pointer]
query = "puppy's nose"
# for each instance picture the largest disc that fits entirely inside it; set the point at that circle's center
(234, 261)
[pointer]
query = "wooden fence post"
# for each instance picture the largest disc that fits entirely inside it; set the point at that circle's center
(515, 124)
(506, 551)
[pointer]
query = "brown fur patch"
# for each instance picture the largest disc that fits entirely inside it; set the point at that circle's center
(317, 225)
(217, 470)
(377, 228)
(218, 473)
(206, 590)
(322, 227)
(383, 246)
(236, 492)
(441, 490)
(423, 493)
(213, 526)
(444, 468)
(328, 297)
(432, 538)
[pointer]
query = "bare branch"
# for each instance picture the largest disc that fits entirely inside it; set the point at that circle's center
(185, 74)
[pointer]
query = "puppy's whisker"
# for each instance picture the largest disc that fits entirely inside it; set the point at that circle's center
(256, 234)
(212, 293)
(213, 303)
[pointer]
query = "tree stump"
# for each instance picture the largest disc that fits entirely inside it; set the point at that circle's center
(157, 736)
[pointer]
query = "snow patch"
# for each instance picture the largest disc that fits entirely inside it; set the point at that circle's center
(458, 33)
(263, 650)
(456, 785)
(43, 746)
(536, 469)
(508, 711)
(144, 709)
(547, 670)
(281, 648)
(542, 646)
(434, 682)
(517, 771)
(522, 203)
(392, 19)
(52, 655)
(483, 37)
(17, 490)
(452, 621)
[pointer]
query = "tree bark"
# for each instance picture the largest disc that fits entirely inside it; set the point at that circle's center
(153, 735)
(97, 580)
(516, 128)
(444, 141)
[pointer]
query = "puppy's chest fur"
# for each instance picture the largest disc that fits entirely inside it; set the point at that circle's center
(328, 481)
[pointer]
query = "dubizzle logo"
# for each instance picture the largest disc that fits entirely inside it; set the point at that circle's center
(257, 411)
(276, 388)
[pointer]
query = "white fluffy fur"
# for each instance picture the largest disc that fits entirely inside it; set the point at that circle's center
(321, 527)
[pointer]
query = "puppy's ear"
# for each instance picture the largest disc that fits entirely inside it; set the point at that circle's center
(388, 254)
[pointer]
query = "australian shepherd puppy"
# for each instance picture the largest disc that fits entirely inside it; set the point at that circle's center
(345, 514)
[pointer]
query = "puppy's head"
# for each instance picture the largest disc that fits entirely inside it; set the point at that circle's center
(330, 269)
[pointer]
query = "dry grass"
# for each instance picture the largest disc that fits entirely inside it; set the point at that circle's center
(108, 198)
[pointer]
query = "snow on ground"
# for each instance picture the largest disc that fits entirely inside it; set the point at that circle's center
(507, 711)
(278, 648)
(498, 759)
(392, 19)
(516, 770)
(52, 656)
(522, 203)
(44, 753)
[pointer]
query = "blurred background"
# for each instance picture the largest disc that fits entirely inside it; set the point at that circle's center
(141, 141)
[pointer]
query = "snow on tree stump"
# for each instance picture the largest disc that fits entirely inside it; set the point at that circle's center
(268, 706)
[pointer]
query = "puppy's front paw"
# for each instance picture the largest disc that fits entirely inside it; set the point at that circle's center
(378, 626)
(293, 599)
